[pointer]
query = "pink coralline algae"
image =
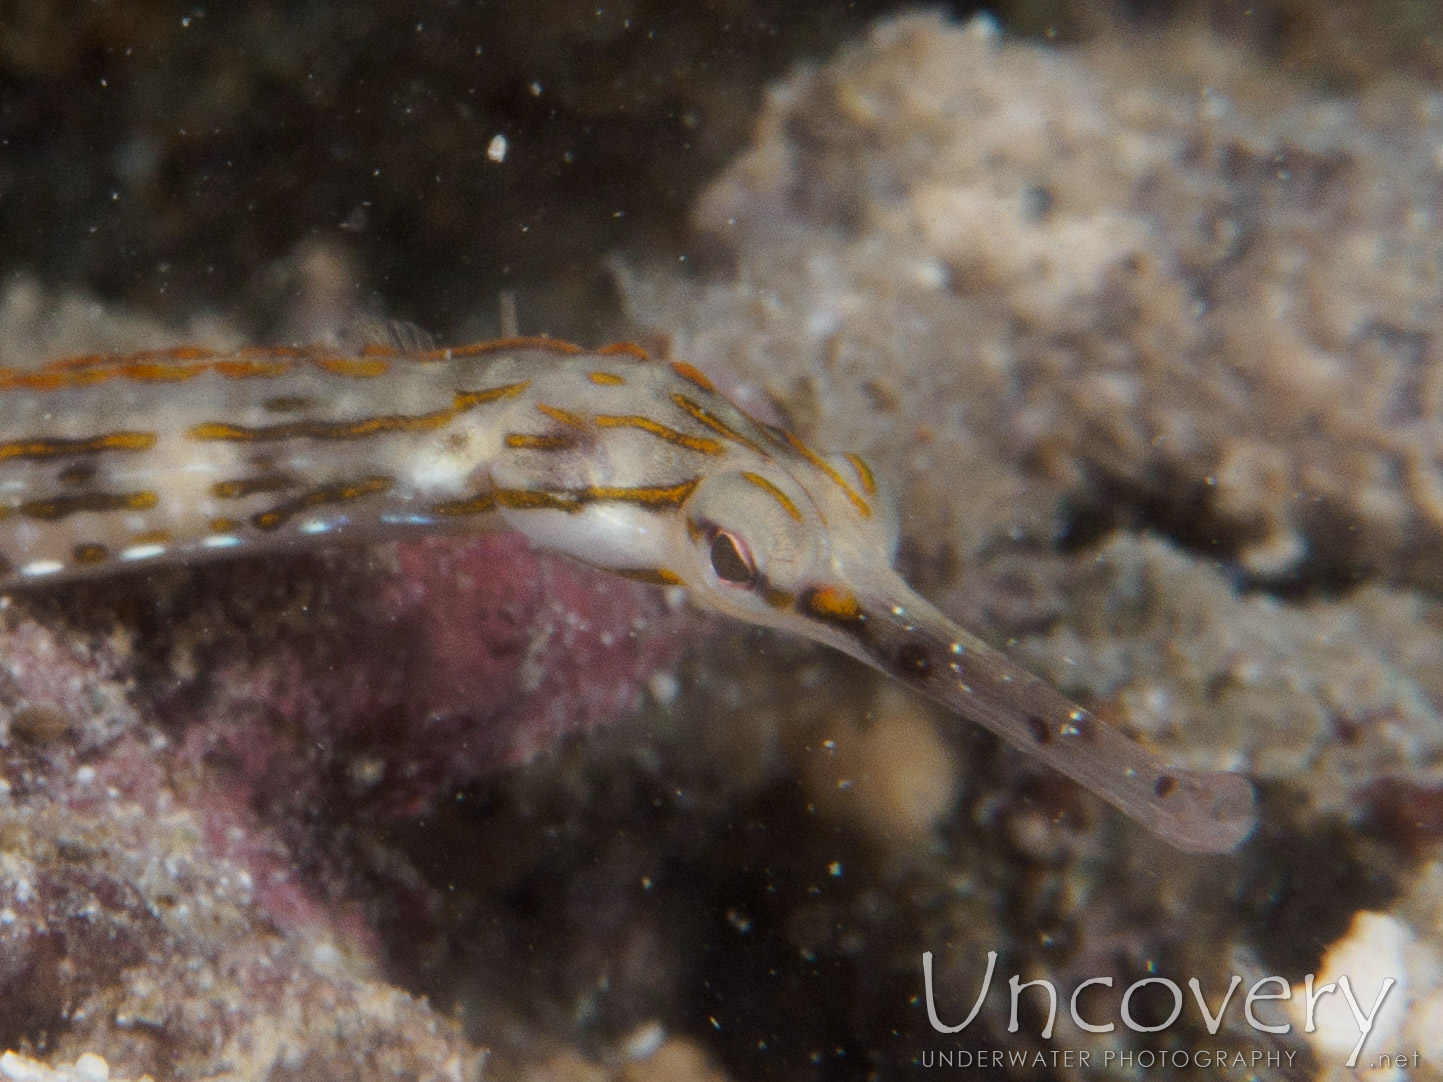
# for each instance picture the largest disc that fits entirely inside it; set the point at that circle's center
(463, 657)
(172, 794)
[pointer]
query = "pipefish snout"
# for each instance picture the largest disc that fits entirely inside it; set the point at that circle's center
(632, 465)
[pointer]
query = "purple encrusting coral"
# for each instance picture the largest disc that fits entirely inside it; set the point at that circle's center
(152, 851)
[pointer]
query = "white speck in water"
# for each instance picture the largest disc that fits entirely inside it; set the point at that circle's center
(85, 775)
(664, 687)
(496, 149)
(642, 1042)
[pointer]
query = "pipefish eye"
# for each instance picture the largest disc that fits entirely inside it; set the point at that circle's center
(731, 559)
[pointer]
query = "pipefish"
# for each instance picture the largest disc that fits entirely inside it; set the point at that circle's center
(607, 456)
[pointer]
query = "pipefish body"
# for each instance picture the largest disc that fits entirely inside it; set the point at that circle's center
(622, 462)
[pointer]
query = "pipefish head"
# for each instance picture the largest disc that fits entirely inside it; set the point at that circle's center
(761, 527)
(806, 542)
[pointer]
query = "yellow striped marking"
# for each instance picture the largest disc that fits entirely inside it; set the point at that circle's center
(560, 416)
(183, 363)
(653, 497)
(606, 379)
(716, 424)
(152, 537)
(242, 487)
(504, 345)
(60, 507)
(223, 525)
(524, 499)
(831, 473)
(160, 373)
(655, 576)
(704, 444)
(352, 367)
(835, 604)
(688, 372)
(532, 442)
(252, 369)
(864, 473)
(349, 430)
(647, 496)
(89, 554)
(627, 349)
(466, 399)
(342, 492)
(60, 448)
(772, 490)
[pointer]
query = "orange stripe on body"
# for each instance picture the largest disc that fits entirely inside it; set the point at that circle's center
(530, 441)
(89, 554)
(628, 349)
(348, 430)
(826, 467)
(704, 444)
(61, 448)
(653, 497)
(59, 507)
(834, 604)
(688, 372)
(242, 487)
(502, 345)
(351, 367)
(248, 369)
(560, 416)
(342, 492)
(716, 424)
(780, 496)
(864, 473)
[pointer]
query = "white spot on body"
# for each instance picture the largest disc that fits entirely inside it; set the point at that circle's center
(142, 552)
(37, 568)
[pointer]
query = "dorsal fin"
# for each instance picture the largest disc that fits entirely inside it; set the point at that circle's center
(391, 334)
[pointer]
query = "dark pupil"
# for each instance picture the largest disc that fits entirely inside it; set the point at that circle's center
(727, 562)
